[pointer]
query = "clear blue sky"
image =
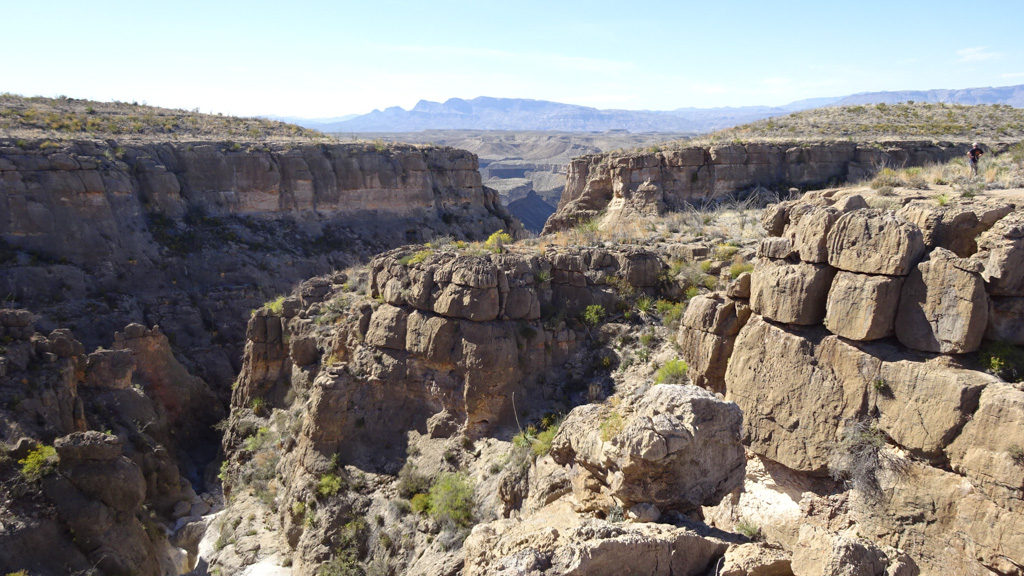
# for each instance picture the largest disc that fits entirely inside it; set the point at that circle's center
(329, 58)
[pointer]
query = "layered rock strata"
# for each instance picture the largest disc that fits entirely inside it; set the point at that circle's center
(649, 183)
(877, 352)
(192, 236)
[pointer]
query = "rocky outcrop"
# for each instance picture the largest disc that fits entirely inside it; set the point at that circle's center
(631, 184)
(678, 450)
(192, 236)
(813, 393)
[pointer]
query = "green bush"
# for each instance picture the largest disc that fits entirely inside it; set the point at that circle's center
(451, 500)
(39, 463)
(738, 268)
(1003, 360)
(673, 372)
(411, 483)
(329, 485)
(276, 307)
(593, 315)
(415, 258)
(749, 529)
(644, 303)
(498, 240)
(420, 503)
(611, 425)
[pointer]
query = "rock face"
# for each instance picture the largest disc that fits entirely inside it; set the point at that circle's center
(193, 236)
(943, 307)
(679, 450)
(646, 183)
(939, 278)
(790, 293)
(874, 242)
(708, 332)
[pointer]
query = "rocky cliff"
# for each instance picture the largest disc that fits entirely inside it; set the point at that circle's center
(616, 184)
(192, 236)
(850, 350)
(350, 411)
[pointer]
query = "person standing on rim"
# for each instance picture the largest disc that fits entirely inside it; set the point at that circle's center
(973, 155)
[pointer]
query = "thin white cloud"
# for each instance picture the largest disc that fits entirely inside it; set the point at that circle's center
(977, 54)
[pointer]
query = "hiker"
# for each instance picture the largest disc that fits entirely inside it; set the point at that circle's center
(973, 155)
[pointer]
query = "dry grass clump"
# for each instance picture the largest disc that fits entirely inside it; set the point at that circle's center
(888, 121)
(67, 118)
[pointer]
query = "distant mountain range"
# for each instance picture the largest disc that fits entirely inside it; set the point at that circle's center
(485, 113)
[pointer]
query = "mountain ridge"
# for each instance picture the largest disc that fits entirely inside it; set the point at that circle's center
(492, 113)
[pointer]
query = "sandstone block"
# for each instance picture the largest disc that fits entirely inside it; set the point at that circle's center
(755, 560)
(432, 337)
(984, 451)
(874, 242)
(679, 450)
(1001, 251)
(790, 293)
(943, 306)
(775, 247)
(862, 306)
(110, 369)
(740, 287)
(387, 328)
(809, 234)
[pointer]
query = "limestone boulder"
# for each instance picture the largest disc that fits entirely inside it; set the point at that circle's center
(809, 234)
(943, 305)
(755, 560)
(874, 242)
(680, 449)
(821, 553)
(956, 226)
(1001, 252)
(793, 408)
(862, 306)
(706, 336)
(92, 461)
(387, 328)
(790, 293)
(775, 247)
(110, 369)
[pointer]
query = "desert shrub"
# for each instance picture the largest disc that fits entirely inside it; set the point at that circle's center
(942, 199)
(542, 276)
(329, 484)
(1003, 360)
(749, 529)
(861, 460)
(542, 443)
(692, 292)
(414, 258)
(351, 546)
(673, 372)
(259, 440)
(738, 268)
(276, 306)
(420, 503)
(451, 500)
(611, 425)
(497, 241)
(258, 405)
(39, 463)
(411, 483)
(615, 514)
(644, 303)
(725, 252)
(593, 315)
(887, 177)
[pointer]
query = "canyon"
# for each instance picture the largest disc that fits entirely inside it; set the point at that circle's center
(323, 358)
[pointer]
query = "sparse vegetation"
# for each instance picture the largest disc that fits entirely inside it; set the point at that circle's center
(1003, 360)
(39, 463)
(497, 241)
(593, 315)
(1016, 453)
(451, 500)
(750, 530)
(860, 458)
(611, 425)
(59, 118)
(673, 372)
(329, 484)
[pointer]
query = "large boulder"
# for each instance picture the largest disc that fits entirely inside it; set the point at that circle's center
(943, 306)
(956, 226)
(1001, 251)
(706, 336)
(862, 306)
(790, 293)
(810, 232)
(679, 450)
(874, 242)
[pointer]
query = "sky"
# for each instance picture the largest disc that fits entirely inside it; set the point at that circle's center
(319, 59)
